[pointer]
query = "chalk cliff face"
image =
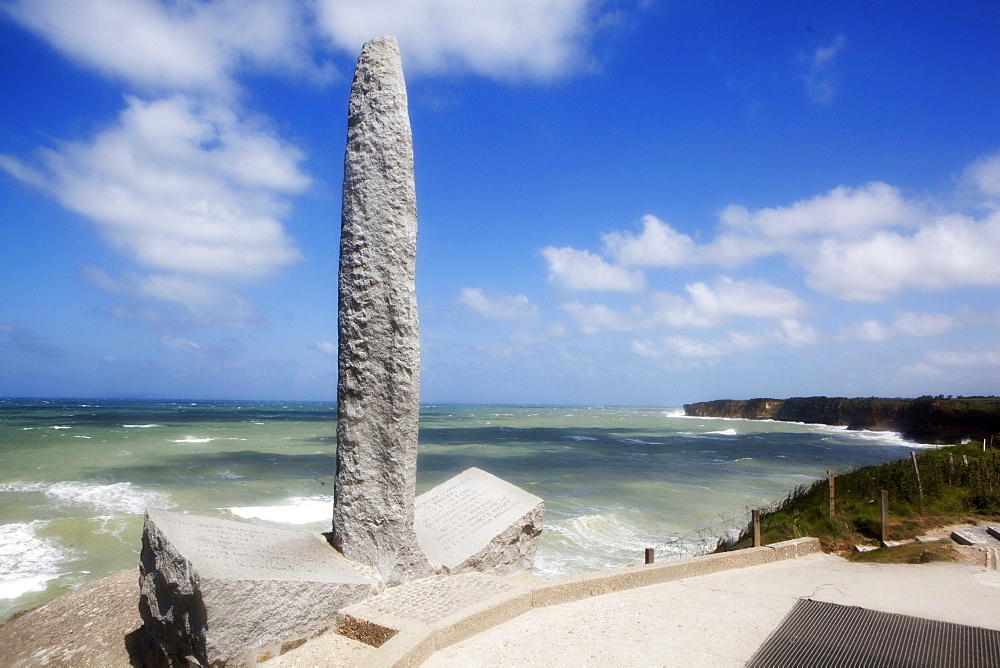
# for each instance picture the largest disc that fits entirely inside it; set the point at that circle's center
(926, 420)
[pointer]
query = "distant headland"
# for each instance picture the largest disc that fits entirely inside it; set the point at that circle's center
(925, 419)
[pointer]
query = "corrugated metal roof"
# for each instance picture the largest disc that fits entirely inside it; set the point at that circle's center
(826, 634)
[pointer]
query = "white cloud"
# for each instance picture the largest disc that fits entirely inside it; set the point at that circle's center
(197, 303)
(956, 359)
(843, 212)
(181, 187)
(953, 251)
(825, 54)
(985, 175)
(176, 45)
(181, 344)
(499, 306)
(581, 270)
(789, 332)
(683, 346)
(981, 362)
(709, 306)
(534, 39)
(327, 347)
(704, 306)
(867, 243)
(924, 324)
(596, 318)
(203, 46)
(185, 185)
(744, 235)
(659, 245)
(906, 323)
(820, 80)
(868, 330)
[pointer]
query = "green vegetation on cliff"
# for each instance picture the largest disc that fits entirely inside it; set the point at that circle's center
(956, 484)
(925, 419)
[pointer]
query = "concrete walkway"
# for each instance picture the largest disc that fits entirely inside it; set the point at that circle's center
(721, 619)
(707, 611)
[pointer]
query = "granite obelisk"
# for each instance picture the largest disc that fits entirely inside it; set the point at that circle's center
(378, 384)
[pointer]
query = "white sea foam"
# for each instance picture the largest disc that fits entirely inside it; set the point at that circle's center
(674, 413)
(724, 432)
(59, 427)
(295, 510)
(140, 426)
(115, 498)
(27, 561)
(579, 438)
(193, 439)
(596, 542)
(636, 441)
(119, 497)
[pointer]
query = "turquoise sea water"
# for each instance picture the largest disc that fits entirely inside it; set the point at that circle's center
(77, 475)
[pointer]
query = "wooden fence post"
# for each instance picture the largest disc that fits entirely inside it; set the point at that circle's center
(833, 506)
(649, 555)
(885, 516)
(755, 523)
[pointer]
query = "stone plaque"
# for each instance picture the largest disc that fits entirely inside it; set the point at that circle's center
(213, 589)
(476, 521)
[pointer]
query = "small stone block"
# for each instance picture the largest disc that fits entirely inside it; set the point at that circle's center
(215, 589)
(962, 538)
(476, 521)
(993, 531)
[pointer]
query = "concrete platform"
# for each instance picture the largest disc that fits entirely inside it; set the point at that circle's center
(722, 618)
(424, 617)
(714, 610)
(707, 611)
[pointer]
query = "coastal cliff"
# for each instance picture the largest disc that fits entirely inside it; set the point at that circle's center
(925, 419)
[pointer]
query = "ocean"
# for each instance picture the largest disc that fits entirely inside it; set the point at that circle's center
(77, 475)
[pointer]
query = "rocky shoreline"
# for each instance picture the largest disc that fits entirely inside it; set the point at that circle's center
(924, 419)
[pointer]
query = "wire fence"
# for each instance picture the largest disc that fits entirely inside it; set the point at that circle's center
(723, 529)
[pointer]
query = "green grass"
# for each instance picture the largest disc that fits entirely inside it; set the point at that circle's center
(950, 491)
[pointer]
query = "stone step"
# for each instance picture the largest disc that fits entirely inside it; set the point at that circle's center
(977, 535)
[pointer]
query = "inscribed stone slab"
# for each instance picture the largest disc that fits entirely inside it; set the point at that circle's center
(214, 589)
(476, 521)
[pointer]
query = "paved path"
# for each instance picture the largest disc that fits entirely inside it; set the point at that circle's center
(722, 618)
(719, 619)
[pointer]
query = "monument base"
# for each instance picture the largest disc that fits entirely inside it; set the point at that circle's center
(211, 589)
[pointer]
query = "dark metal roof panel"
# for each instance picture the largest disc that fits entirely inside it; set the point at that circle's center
(839, 636)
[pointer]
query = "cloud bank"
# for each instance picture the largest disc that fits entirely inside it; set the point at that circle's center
(189, 184)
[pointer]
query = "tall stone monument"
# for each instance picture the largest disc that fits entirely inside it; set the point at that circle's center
(378, 385)
(212, 591)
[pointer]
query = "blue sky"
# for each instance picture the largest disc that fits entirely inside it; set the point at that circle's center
(620, 202)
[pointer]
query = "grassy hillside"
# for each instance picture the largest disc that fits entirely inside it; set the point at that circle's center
(958, 483)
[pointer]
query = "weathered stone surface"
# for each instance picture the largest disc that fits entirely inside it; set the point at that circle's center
(476, 521)
(378, 389)
(213, 589)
